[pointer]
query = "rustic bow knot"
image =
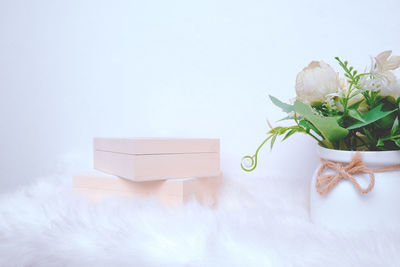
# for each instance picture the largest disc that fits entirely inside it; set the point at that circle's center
(324, 183)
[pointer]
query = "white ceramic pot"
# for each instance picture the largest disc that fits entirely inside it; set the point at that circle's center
(345, 208)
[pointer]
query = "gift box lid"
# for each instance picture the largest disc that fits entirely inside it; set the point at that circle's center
(151, 146)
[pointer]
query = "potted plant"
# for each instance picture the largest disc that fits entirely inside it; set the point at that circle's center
(355, 121)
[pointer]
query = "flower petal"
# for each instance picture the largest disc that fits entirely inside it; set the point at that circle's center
(383, 56)
(393, 63)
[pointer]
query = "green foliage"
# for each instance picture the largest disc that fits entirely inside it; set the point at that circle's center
(372, 98)
(355, 114)
(371, 116)
(393, 139)
(350, 73)
(327, 126)
(285, 107)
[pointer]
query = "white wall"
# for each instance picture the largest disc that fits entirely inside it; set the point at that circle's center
(71, 70)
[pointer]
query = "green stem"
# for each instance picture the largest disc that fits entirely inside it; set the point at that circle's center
(254, 157)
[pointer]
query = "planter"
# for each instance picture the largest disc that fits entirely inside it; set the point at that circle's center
(344, 207)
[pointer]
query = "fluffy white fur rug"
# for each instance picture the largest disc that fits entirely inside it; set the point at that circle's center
(259, 222)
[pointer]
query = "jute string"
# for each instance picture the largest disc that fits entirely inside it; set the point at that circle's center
(325, 183)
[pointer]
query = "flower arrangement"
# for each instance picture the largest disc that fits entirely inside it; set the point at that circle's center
(357, 112)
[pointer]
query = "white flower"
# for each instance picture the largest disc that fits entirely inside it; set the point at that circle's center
(379, 82)
(382, 78)
(384, 63)
(316, 82)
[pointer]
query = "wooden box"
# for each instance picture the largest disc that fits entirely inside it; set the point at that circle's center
(98, 186)
(146, 159)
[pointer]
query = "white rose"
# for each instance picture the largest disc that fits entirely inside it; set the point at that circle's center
(316, 81)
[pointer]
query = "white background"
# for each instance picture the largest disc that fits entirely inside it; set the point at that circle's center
(72, 70)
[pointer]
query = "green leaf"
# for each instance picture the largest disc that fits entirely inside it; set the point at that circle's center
(368, 134)
(355, 114)
(371, 116)
(289, 134)
(397, 142)
(287, 118)
(395, 127)
(338, 118)
(356, 104)
(285, 107)
(273, 140)
(327, 126)
(305, 124)
(380, 142)
(308, 126)
(386, 122)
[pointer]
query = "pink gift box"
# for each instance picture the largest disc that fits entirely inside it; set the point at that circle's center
(141, 159)
(98, 186)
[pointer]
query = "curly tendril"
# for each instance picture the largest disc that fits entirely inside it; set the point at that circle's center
(249, 163)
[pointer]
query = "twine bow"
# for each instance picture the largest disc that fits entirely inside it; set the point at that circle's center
(324, 183)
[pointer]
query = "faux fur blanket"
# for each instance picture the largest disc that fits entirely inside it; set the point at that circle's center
(258, 222)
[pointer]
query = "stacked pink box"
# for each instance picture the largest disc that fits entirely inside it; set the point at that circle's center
(172, 170)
